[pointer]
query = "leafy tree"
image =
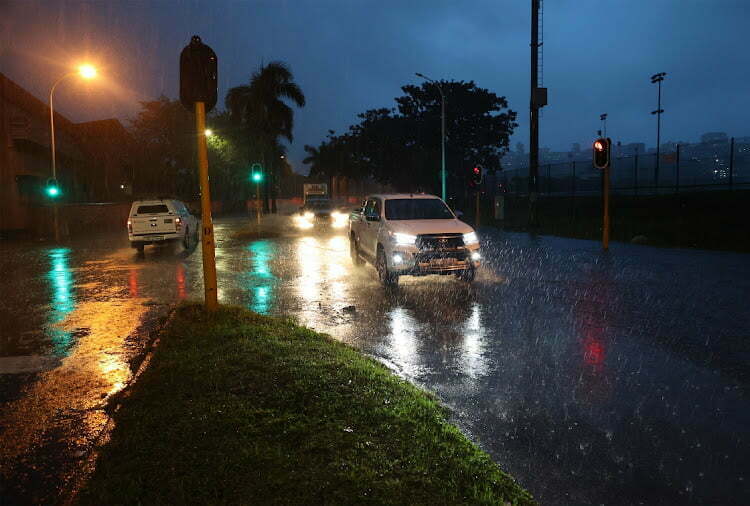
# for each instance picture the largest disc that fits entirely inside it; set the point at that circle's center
(164, 159)
(261, 109)
(401, 146)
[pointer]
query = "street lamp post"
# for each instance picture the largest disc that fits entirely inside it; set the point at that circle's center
(86, 72)
(442, 135)
(658, 78)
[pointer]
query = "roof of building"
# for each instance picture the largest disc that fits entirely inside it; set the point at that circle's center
(14, 93)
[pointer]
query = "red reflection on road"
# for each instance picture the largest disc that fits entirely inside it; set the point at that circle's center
(133, 282)
(593, 351)
(180, 276)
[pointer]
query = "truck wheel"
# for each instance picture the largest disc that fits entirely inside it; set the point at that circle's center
(354, 252)
(139, 248)
(467, 275)
(388, 279)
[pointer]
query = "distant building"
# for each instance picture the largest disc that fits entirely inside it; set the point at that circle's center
(714, 138)
(90, 156)
(632, 149)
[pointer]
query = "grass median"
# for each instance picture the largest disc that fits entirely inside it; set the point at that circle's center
(236, 407)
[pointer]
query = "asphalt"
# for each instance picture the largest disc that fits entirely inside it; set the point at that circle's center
(592, 377)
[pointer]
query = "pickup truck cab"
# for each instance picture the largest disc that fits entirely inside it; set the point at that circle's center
(159, 222)
(412, 234)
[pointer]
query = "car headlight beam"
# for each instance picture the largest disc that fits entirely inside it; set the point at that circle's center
(404, 239)
(471, 238)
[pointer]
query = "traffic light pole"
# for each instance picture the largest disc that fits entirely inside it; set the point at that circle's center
(605, 220)
(477, 208)
(207, 226)
(257, 202)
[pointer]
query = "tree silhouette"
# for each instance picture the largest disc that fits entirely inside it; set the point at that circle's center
(261, 109)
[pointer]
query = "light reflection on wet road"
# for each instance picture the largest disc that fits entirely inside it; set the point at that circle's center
(593, 378)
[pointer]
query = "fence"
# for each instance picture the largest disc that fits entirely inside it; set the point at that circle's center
(687, 168)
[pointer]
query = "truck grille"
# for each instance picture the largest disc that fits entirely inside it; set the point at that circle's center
(440, 242)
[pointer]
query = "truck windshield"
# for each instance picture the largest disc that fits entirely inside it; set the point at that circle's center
(417, 209)
(153, 209)
(318, 204)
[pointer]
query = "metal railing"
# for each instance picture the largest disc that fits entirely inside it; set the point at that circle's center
(687, 168)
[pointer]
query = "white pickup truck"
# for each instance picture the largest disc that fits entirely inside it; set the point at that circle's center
(412, 234)
(161, 221)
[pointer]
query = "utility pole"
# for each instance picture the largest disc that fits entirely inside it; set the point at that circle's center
(658, 78)
(538, 99)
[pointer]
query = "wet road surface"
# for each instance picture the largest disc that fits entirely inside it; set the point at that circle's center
(593, 378)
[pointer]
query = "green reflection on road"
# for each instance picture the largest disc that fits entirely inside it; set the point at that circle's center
(260, 277)
(62, 299)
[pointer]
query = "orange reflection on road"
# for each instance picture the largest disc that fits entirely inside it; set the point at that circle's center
(133, 282)
(71, 398)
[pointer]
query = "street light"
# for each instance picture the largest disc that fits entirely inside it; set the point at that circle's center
(442, 121)
(85, 71)
(208, 132)
(658, 78)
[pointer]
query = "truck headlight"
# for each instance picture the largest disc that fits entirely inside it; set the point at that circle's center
(471, 238)
(404, 239)
(309, 215)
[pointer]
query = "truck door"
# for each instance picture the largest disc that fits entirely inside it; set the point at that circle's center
(371, 226)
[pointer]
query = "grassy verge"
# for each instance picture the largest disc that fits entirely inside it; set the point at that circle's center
(237, 407)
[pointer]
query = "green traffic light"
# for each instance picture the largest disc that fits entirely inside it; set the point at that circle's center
(53, 191)
(257, 177)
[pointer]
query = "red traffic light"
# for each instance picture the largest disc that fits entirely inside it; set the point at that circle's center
(475, 176)
(602, 152)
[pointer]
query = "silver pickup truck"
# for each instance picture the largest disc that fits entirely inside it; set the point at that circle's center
(412, 234)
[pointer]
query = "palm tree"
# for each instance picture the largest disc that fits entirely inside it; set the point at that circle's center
(261, 109)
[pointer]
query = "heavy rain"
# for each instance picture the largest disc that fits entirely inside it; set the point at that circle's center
(573, 300)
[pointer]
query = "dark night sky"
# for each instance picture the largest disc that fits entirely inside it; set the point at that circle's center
(352, 55)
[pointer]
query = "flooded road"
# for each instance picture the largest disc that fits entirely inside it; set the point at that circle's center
(593, 378)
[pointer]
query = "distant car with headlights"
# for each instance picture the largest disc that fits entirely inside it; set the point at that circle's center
(320, 212)
(159, 222)
(412, 234)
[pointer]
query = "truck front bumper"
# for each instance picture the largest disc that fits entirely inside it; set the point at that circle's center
(419, 263)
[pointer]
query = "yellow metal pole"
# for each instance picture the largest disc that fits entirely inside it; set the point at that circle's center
(207, 236)
(605, 227)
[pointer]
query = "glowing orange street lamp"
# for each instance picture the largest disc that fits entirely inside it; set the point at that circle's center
(85, 71)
